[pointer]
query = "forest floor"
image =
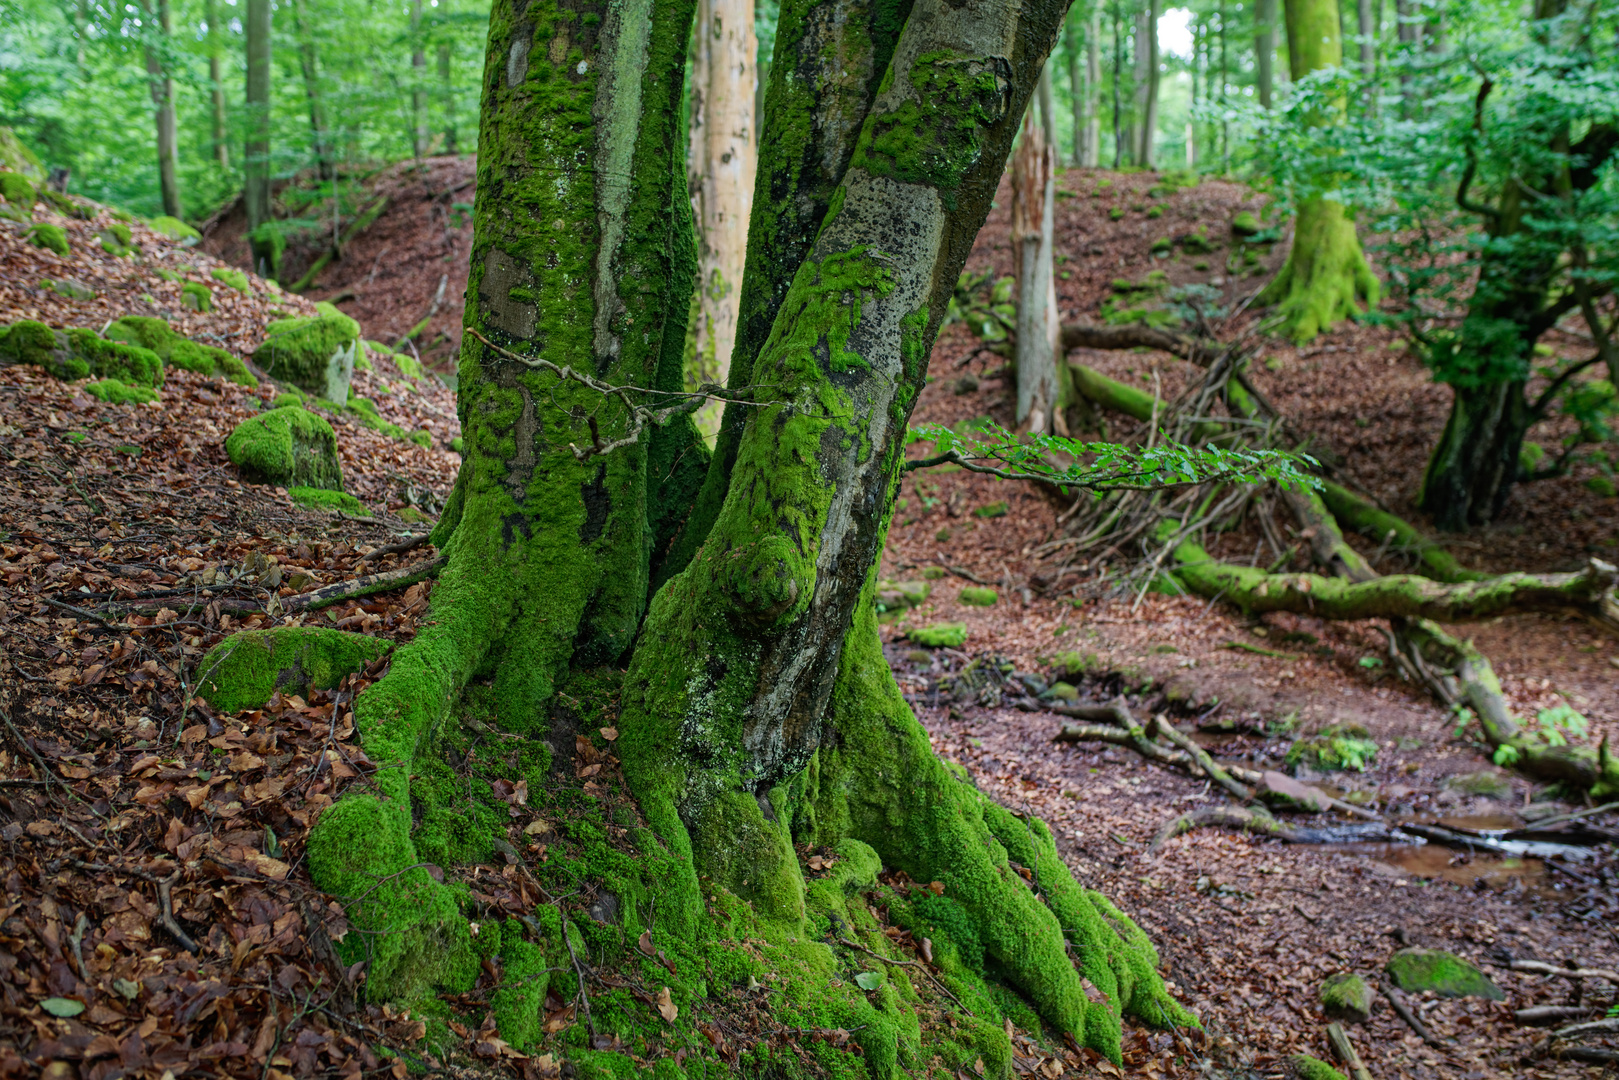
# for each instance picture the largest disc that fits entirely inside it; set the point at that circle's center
(157, 816)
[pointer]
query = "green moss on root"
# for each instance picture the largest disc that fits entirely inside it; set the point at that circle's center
(244, 670)
(1326, 276)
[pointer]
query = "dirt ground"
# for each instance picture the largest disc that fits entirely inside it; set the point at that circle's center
(139, 505)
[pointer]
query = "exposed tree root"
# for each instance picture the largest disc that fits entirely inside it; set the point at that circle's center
(386, 581)
(1248, 819)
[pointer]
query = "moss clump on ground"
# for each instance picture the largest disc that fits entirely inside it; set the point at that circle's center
(245, 669)
(1308, 1068)
(1347, 997)
(322, 499)
(232, 277)
(940, 635)
(179, 351)
(1446, 974)
(898, 595)
(197, 296)
(364, 410)
(114, 392)
(288, 399)
(992, 510)
(69, 288)
(314, 353)
(17, 190)
(978, 596)
(288, 447)
(1074, 665)
(48, 236)
(1336, 748)
(175, 229)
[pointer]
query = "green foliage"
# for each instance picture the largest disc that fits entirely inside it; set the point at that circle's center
(1101, 467)
(1337, 747)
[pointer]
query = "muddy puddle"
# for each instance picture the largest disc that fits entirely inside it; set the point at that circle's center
(1440, 863)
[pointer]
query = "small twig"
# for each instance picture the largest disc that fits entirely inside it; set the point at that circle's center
(410, 543)
(164, 897)
(82, 613)
(578, 972)
(50, 777)
(1403, 1011)
(910, 963)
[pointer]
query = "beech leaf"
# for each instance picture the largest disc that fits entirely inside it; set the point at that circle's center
(869, 980)
(62, 1008)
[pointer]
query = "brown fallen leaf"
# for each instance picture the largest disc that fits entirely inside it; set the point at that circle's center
(645, 944)
(609, 733)
(667, 1008)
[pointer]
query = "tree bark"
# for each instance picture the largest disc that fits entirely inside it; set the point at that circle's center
(1093, 82)
(1146, 150)
(419, 141)
(1079, 88)
(1033, 232)
(722, 164)
(256, 103)
(216, 83)
(447, 88)
(1326, 274)
(1368, 38)
(161, 85)
(309, 66)
(1264, 49)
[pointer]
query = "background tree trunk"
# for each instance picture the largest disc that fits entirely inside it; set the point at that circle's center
(1033, 228)
(216, 82)
(1367, 30)
(1079, 87)
(256, 159)
(1264, 49)
(447, 88)
(1147, 151)
(722, 163)
(1093, 81)
(161, 83)
(1326, 274)
(309, 65)
(419, 138)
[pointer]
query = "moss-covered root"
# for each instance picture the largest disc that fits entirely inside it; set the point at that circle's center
(1325, 275)
(1396, 533)
(1078, 959)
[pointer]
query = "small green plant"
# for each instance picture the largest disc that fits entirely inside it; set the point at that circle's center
(1338, 748)
(1559, 722)
(1371, 662)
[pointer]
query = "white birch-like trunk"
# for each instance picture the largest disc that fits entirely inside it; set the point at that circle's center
(722, 159)
(1034, 196)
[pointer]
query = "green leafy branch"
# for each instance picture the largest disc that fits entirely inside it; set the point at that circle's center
(1100, 466)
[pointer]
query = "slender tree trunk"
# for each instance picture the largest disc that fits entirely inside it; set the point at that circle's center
(1079, 89)
(256, 159)
(447, 88)
(1368, 38)
(419, 136)
(1118, 77)
(1264, 49)
(722, 162)
(1139, 85)
(1326, 275)
(1038, 326)
(1147, 154)
(216, 83)
(1225, 69)
(1093, 84)
(161, 85)
(1407, 30)
(309, 65)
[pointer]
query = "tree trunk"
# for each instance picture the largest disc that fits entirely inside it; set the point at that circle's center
(1146, 150)
(1475, 462)
(161, 85)
(1038, 328)
(1093, 82)
(308, 62)
(256, 159)
(1079, 90)
(419, 141)
(1326, 274)
(722, 162)
(216, 85)
(1118, 81)
(1264, 49)
(758, 715)
(1368, 38)
(447, 88)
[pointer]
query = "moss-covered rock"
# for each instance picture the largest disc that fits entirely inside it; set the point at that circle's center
(978, 596)
(179, 351)
(115, 392)
(1347, 998)
(314, 353)
(232, 277)
(197, 296)
(77, 353)
(1060, 691)
(1446, 974)
(992, 510)
(245, 669)
(290, 447)
(18, 158)
(896, 595)
(940, 635)
(1244, 223)
(70, 288)
(1305, 1067)
(175, 229)
(288, 399)
(17, 190)
(1074, 665)
(323, 499)
(48, 236)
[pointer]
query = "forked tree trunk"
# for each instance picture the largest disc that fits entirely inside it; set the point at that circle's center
(722, 162)
(758, 712)
(216, 85)
(256, 159)
(1326, 275)
(161, 84)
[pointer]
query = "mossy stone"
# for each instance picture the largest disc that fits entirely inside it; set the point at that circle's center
(1347, 998)
(322, 499)
(1602, 486)
(244, 670)
(978, 596)
(197, 296)
(1306, 1067)
(941, 635)
(69, 288)
(179, 351)
(175, 229)
(992, 510)
(290, 399)
(1446, 974)
(17, 190)
(290, 447)
(1245, 224)
(894, 595)
(48, 236)
(116, 392)
(232, 277)
(1073, 665)
(1060, 691)
(314, 353)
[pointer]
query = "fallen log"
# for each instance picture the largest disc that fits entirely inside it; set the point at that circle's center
(1548, 1014)
(1537, 967)
(1247, 819)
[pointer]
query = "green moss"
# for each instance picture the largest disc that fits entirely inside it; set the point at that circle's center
(244, 670)
(1308, 1068)
(1602, 486)
(940, 635)
(288, 399)
(287, 447)
(178, 351)
(1347, 997)
(314, 353)
(323, 499)
(16, 189)
(1326, 276)
(197, 296)
(935, 139)
(1245, 224)
(233, 277)
(115, 392)
(51, 237)
(1415, 970)
(978, 596)
(118, 232)
(1336, 747)
(175, 229)
(30, 342)
(992, 510)
(69, 288)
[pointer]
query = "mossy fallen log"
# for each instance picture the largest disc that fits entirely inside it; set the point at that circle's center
(1384, 527)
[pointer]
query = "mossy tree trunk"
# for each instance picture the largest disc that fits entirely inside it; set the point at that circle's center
(1326, 275)
(757, 712)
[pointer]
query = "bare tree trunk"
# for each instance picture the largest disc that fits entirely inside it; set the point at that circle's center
(1033, 228)
(418, 70)
(1147, 155)
(451, 142)
(256, 161)
(308, 63)
(1225, 125)
(1264, 49)
(1118, 78)
(1079, 92)
(1093, 85)
(1141, 83)
(162, 89)
(722, 162)
(217, 85)
(1368, 38)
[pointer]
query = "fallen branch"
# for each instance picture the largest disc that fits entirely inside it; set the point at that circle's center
(1254, 820)
(1403, 1011)
(1594, 1027)
(1131, 336)
(410, 543)
(1207, 763)
(1546, 1014)
(1537, 967)
(335, 251)
(1345, 1050)
(165, 897)
(385, 581)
